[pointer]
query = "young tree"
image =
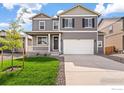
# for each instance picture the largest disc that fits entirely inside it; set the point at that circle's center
(13, 38)
(13, 35)
(14, 41)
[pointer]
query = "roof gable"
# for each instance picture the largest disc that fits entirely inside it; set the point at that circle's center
(41, 15)
(106, 22)
(79, 10)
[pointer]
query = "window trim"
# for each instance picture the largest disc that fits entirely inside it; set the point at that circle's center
(68, 27)
(44, 25)
(42, 44)
(88, 23)
(101, 42)
(54, 25)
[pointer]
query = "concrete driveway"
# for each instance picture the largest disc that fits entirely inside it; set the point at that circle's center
(93, 70)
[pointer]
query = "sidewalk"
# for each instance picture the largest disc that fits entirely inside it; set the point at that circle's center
(7, 56)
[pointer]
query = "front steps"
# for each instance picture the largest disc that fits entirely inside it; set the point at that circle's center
(54, 53)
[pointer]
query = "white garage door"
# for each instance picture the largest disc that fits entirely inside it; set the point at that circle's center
(78, 46)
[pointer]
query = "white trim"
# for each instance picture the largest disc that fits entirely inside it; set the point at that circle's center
(59, 42)
(41, 19)
(48, 42)
(68, 27)
(76, 15)
(78, 31)
(67, 18)
(59, 24)
(60, 31)
(53, 24)
(44, 25)
(88, 23)
(53, 42)
(101, 42)
(41, 44)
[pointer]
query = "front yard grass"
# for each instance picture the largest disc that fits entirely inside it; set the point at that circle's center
(37, 71)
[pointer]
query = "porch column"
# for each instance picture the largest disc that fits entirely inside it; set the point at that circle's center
(48, 42)
(60, 42)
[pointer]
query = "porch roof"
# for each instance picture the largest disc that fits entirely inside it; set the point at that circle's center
(42, 32)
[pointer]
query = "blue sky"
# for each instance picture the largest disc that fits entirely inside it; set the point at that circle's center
(9, 12)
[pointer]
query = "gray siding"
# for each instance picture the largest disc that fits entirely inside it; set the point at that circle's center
(40, 48)
(48, 25)
(101, 49)
(78, 24)
(80, 35)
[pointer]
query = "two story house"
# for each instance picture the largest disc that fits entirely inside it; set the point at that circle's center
(74, 31)
(114, 32)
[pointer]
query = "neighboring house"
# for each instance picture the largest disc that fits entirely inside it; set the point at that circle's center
(73, 32)
(114, 32)
(26, 38)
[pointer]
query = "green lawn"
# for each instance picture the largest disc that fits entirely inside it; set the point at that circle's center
(37, 71)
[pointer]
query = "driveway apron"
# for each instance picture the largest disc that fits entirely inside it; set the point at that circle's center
(93, 70)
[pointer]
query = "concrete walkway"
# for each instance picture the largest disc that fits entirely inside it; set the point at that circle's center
(93, 70)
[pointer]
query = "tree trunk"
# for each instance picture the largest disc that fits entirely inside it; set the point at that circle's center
(12, 60)
(23, 58)
(1, 58)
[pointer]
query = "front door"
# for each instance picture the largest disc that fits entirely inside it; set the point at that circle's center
(55, 43)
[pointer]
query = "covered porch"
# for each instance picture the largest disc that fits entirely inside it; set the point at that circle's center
(45, 42)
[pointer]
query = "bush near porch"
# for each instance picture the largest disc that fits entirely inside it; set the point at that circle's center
(37, 71)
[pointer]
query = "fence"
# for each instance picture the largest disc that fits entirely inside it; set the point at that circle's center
(110, 50)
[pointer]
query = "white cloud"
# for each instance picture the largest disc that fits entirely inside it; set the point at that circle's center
(25, 16)
(59, 12)
(111, 8)
(32, 6)
(8, 5)
(4, 24)
(115, 7)
(100, 8)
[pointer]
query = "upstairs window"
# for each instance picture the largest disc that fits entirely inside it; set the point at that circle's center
(68, 23)
(110, 29)
(41, 25)
(55, 25)
(88, 22)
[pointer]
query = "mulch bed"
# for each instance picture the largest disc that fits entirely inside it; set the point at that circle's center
(10, 69)
(61, 73)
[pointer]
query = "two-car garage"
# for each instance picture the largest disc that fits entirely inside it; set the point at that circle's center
(78, 46)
